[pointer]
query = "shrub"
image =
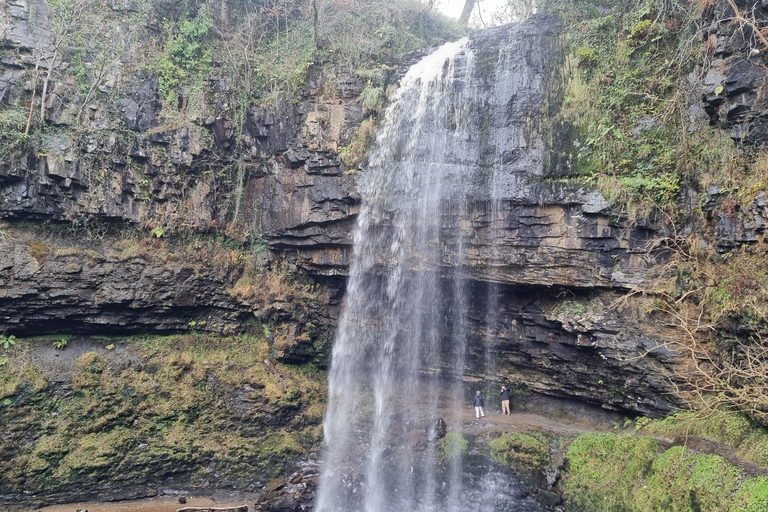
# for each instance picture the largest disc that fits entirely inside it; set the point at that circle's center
(281, 65)
(372, 99)
(13, 123)
(38, 250)
(640, 30)
(586, 56)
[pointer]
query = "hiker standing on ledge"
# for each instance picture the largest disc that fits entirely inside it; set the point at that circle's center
(505, 400)
(479, 403)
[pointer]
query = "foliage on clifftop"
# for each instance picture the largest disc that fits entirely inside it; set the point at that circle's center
(262, 49)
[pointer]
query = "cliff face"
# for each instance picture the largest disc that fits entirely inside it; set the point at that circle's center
(278, 179)
(122, 215)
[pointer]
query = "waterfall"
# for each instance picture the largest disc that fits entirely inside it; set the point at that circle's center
(449, 157)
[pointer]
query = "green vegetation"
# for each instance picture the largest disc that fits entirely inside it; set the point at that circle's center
(358, 33)
(733, 429)
(622, 75)
(281, 65)
(7, 341)
(624, 99)
(620, 472)
(452, 445)
(186, 405)
(569, 307)
(357, 150)
(521, 451)
(186, 56)
(13, 123)
(605, 469)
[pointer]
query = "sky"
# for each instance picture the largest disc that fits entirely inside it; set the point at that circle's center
(453, 8)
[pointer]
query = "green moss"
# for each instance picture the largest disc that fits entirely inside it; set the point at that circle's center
(452, 445)
(94, 452)
(15, 380)
(682, 480)
(752, 497)
(522, 451)
(605, 468)
(610, 472)
(174, 414)
(267, 455)
(731, 428)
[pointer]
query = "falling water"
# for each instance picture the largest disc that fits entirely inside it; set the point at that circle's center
(454, 147)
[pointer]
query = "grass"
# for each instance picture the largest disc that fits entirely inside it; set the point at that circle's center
(623, 472)
(733, 429)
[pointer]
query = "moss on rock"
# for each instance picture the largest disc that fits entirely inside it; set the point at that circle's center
(180, 410)
(622, 472)
(521, 451)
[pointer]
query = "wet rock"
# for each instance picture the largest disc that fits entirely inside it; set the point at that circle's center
(549, 498)
(242, 508)
(125, 292)
(293, 493)
(743, 76)
(418, 439)
(436, 430)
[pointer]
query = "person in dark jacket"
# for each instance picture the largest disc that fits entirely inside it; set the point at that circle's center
(479, 403)
(504, 400)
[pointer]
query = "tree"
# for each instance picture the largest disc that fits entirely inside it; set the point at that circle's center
(66, 16)
(469, 5)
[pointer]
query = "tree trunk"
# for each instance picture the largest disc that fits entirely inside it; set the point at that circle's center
(468, 6)
(32, 101)
(50, 63)
(314, 17)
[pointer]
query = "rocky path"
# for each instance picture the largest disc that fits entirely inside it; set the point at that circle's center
(518, 422)
(521, 422)
(495, 423)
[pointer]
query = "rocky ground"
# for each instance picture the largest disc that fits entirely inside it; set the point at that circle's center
(296, 491)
